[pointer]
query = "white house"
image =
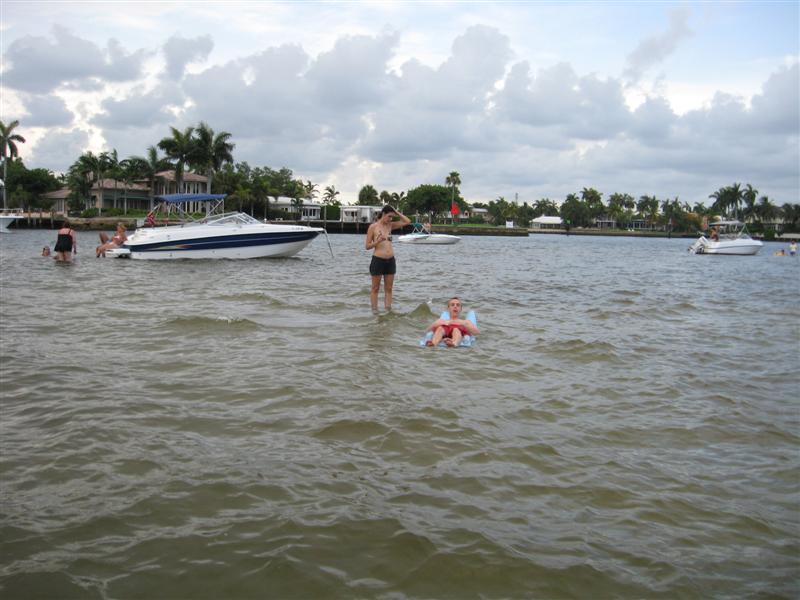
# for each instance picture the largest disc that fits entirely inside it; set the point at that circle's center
(311, 211)
(545, 222)
(359, 214)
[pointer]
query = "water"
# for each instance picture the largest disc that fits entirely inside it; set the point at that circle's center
(625, 427)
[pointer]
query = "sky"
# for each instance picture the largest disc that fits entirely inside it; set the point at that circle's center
(525, 100)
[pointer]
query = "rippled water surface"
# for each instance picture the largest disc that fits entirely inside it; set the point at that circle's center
(625, 427)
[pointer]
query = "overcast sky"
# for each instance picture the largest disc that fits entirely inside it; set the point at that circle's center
(525, 100)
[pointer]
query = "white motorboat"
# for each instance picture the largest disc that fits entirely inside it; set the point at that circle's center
(731, 239)
(420, 235)
(216, 235)
(8, 216)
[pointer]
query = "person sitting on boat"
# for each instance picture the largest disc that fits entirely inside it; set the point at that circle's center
(715, 234)
(106, 243)
(451, 330)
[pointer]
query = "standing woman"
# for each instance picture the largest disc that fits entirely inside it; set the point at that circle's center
(379, 239)
(66, 244)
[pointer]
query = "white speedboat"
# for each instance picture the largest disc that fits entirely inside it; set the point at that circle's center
(8, 216)
(731, 239)
(216, 235)
(420, 235)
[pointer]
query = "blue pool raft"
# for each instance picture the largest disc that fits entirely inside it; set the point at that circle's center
(466, 341)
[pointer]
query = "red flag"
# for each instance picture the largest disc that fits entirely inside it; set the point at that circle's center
(454, 210)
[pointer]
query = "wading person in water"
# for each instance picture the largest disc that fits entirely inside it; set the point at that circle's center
(379, 239)
(66, 244)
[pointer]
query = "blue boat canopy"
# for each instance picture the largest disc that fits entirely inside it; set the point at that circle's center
(182, 198)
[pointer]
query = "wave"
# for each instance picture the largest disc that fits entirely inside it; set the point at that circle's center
(211, 325)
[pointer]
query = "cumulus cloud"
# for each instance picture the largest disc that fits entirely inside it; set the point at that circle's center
(139, 110)
(578, 107)
(655, 49)
(41, 64)
(46, 111)
(179, 52)
(58, 150)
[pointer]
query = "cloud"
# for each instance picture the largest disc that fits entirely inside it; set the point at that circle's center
(58, 150)
(40, 64)
(577, 107)
(433, 110)
(46, 111)
(180, 51)
(655, 49)
(140, 110)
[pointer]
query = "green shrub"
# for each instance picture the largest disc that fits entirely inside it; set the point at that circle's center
(89, 213)
(769, 235)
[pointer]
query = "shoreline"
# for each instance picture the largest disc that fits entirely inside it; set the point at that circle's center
(46, 221)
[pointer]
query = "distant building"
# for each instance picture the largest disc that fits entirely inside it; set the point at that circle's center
(311, 211)
(359, 214)
(545, 222)
(192, 183)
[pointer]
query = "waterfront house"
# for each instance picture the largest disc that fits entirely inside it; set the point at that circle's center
(545, 222)
(359, 214)
(311, 211)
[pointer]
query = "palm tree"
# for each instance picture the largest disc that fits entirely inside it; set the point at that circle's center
(149, 165)
(453, 180)
(181, 148)
(329, 197)
(766, 210)
(368, 196)
(749, 195)
(212, 151)
(311, 189)
(8, 149)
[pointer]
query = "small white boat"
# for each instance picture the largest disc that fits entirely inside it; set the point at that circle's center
(419, 235)
(216, 235)
(8, 216)
(732, 239)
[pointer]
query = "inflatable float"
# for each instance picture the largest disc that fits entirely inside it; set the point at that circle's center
(466, 341)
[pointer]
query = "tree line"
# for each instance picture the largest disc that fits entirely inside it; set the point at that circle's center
(250, 189)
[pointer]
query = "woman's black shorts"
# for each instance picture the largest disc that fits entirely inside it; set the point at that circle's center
(382, 266)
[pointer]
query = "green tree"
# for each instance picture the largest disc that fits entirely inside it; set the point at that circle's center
(148, 166)
(367, 196)
(329, 197)
(8, 149)
(594, 203)
(211, 151)
(428, 199)
(574, 211)
(453, 180)
(182, 149)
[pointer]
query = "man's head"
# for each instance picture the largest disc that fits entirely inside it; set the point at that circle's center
(454, 306)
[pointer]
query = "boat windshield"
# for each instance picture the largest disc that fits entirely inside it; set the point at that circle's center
(230, 218)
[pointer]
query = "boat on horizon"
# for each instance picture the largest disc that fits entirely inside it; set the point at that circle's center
(731, 239)
(215, 235)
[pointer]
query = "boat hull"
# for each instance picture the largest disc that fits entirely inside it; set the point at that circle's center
(183, 243)
(5, 221)
(740, 247)
(424, 238)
